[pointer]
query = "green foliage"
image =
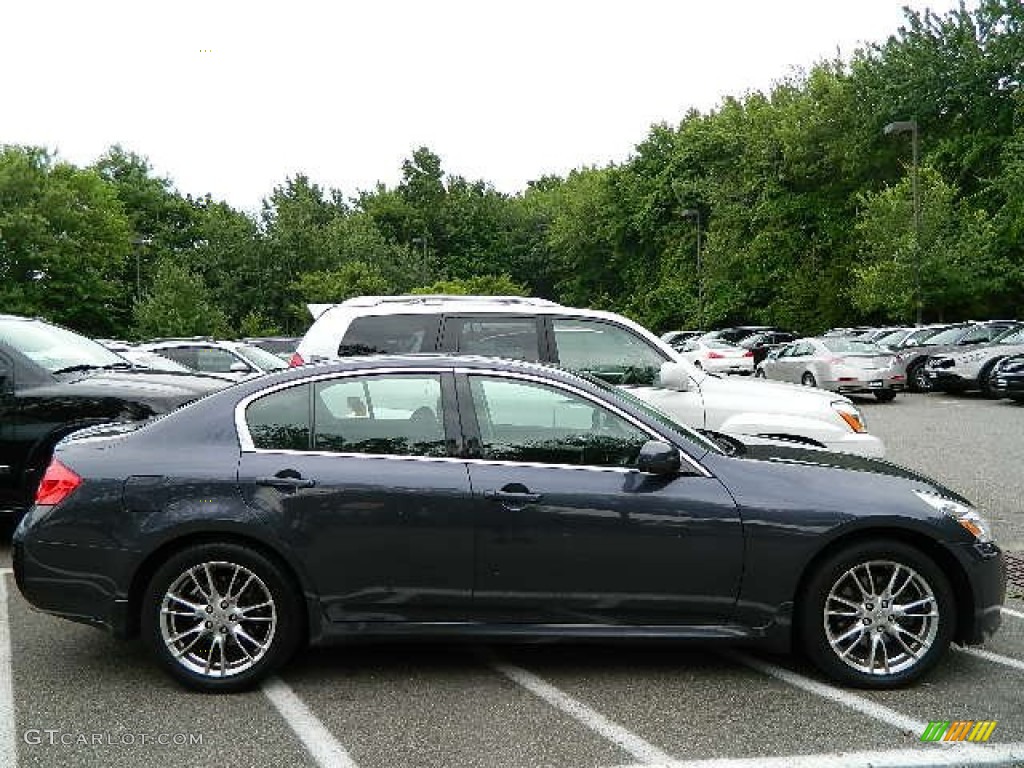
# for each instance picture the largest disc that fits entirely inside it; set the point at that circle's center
(256, 324)
(354, 278)
(178, 305)
(481, 285)
(64, 241)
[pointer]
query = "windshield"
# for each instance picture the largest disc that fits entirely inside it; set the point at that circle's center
(56, 349)
(851, 347)
(892, 337)
(624, 395)
(265, 360)
(948, 336)
(1013, 337)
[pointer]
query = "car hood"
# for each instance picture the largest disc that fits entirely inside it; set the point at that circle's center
(782, 394)
(165, 388)
(780, 452)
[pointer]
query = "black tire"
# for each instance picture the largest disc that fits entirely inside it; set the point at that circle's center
(916, 379)
(882, 555)
(985, 379)
(277, 628)
(885, 396)
(808, 380)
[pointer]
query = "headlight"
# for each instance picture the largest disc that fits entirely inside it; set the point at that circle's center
(968, 517)
(849, 413)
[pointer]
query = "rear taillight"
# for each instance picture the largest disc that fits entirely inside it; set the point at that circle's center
(715, 356)
(748, 353)
(296, 360)
(57, 484)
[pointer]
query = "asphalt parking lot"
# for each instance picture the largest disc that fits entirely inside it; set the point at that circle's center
(70, 695)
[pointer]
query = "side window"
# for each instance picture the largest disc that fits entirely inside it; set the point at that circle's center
(390, 335)
(523, 421)
(608, 351)
(397, 415)
(212, 360)
(511, 337)
(803, 350)
(280, 421)
(183, 355)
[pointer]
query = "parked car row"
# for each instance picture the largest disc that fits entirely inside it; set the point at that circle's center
(951, 357)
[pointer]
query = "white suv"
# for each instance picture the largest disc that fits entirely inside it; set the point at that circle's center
(601, 343)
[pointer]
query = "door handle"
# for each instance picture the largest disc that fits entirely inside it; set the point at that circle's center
(511, 496)
(285, 482)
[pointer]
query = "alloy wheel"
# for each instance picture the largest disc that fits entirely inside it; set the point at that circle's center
(881, 617)
(218, 619)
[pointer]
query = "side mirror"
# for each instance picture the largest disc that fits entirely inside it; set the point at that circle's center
(239, 367)
(658, 458)
(674, 376)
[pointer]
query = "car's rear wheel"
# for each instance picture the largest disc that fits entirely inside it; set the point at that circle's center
(885, 396)
(221, 617)
(808, 380)
(877, 615)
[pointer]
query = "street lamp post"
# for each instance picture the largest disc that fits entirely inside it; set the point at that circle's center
(422, 242)
(137, 243)
(694, 213)
(910, 126)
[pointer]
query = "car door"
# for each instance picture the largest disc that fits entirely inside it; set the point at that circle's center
(569, 532)
(361, 467)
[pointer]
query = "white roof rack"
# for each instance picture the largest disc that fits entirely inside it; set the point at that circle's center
(437, 298)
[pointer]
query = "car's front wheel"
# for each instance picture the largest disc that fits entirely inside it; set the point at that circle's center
(885, 396)
(221, 617)
(877, 615)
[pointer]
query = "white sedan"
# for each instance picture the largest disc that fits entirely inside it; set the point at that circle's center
(717, 356)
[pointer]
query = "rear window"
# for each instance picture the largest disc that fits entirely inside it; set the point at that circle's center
(390, 335)
(851, 347)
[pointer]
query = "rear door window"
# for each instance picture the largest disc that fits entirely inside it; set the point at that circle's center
(390, 335)
(280, 421)
(515, 338)
(396, 415)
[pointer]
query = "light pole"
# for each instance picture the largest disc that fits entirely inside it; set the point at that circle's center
(137, 243)
(422, 242)
(910, 126)
(694, 213)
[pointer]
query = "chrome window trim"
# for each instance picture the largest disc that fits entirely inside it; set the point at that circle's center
(247, 446)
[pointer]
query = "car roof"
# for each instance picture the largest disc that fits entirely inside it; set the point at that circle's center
(430, 303)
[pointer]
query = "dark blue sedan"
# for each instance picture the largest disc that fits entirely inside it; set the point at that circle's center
(442, 497)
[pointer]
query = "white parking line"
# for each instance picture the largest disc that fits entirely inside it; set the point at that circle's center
(995, 658)
(839, 696)
(945, 755)
(1011, 612)
(8, 741)
(319, 742)
(642, 750)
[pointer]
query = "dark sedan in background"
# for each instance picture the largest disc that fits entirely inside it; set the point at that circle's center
(54, 381)
(442, 497)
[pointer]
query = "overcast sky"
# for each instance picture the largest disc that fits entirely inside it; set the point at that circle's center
(231, 96)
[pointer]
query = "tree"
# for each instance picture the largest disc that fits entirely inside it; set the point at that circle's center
(959, 270)
(178, 305)
(64, 240)
(481, 285)
(354, 278)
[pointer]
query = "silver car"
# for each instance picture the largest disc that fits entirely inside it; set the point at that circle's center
(972, 368)
(838, 364)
